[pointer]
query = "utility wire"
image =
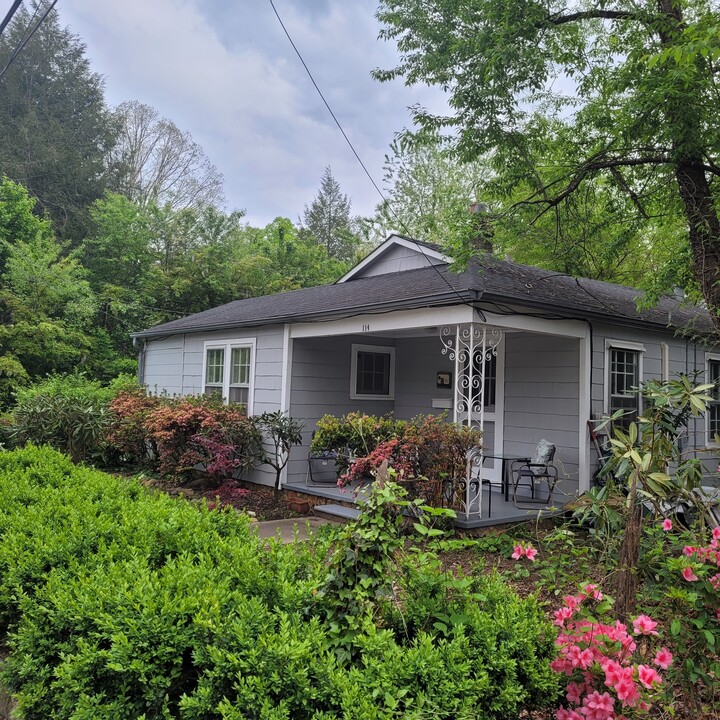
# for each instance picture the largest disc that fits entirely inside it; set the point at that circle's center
(22, 45)
(9, 15)
(359, 159)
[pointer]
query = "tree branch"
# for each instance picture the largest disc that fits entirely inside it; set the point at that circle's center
(594, 15)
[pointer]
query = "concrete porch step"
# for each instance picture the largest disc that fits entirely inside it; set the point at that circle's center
(338, 513)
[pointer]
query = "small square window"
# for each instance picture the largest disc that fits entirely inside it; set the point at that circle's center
(373, 372)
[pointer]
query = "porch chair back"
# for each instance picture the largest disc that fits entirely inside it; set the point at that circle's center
(533, 473)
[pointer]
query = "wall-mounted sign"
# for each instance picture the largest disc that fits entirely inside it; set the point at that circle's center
(444, 379)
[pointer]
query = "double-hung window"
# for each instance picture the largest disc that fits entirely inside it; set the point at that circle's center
(624, 364)
(372, 375)
(227, 370)
(712, 375)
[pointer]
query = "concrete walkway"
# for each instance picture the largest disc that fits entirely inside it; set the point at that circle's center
(289, 530)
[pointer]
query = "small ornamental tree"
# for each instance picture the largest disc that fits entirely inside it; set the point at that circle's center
(642, 457)
(282, 431)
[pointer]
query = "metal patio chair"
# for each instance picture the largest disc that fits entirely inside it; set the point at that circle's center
(540, 469)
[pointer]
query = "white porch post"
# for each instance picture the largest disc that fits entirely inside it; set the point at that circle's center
(584, 411)
(470, 347)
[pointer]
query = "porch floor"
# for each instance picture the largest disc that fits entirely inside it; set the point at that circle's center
(503, 512)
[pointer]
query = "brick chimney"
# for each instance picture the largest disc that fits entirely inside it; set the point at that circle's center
(482, 228)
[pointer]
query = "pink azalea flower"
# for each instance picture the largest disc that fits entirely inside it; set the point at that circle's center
(561, 615)
(715, 582)
(571, 601)
(627, 691)
(598, 707)
(575, 693)
(563, 714)
(591, 590)
(648, 676)
(663, 658)
(716, 533)
(530, 553)
(689, 575)
(689, 550)
(644, 625)
(518, 552)
(667, 525)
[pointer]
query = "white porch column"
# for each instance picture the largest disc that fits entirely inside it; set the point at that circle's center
(470, 346)
(584, 411)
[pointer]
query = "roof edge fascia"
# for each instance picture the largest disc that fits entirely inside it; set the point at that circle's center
(393, 240)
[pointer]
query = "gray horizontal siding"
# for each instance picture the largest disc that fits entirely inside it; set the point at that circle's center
(399, 258)
(542, 392)
(417, 362)
(320, 385)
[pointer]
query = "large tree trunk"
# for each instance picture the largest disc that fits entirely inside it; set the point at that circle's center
(704, 228)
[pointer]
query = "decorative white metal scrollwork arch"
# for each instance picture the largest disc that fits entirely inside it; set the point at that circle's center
(471, 347)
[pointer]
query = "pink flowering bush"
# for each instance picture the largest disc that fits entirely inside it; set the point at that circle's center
(599, 658)
(683, 571)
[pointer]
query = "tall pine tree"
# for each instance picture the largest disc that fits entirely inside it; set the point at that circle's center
(328, 219)
(55, 129)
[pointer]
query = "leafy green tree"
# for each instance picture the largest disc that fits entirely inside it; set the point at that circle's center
(54, 127)
(295, 259)
(565, 96)
(328, 219)
(47, 308)
(429, 192)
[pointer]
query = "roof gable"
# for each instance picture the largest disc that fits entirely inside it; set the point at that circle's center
(397, 254)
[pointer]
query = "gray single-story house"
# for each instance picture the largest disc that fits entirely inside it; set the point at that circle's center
(526, 354)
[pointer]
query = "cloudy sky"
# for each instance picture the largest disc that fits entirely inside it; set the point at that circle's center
(224, 71)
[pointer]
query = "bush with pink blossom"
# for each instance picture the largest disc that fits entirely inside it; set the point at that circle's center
(607, 675)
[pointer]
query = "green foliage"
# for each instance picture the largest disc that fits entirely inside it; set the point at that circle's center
(357, 432)
(123, 604)
(429, 191)
(68, 412)
(282, 432)
(648, 455)
(688, 608)
(598, 121)
(328, 221)
(54, 125)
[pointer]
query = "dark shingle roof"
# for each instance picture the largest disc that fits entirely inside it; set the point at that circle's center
(493, 281)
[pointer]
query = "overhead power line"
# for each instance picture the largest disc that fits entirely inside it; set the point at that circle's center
(9, 15)
(359, 159)
(26, 40)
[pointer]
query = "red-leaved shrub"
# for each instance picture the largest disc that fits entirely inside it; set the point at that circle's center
(179, 434)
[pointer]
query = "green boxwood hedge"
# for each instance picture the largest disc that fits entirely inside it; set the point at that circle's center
(119, 603)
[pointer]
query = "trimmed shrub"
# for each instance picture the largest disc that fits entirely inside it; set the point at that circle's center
(68, 412)
(121, 604)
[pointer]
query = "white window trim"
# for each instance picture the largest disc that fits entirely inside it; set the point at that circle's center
(622, 345)
(227, 346)
(708, 357)
(384, 349)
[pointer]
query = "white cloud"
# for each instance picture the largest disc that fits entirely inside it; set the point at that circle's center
(228, 75)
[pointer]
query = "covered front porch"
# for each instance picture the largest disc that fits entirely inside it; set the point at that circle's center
(519, 379)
